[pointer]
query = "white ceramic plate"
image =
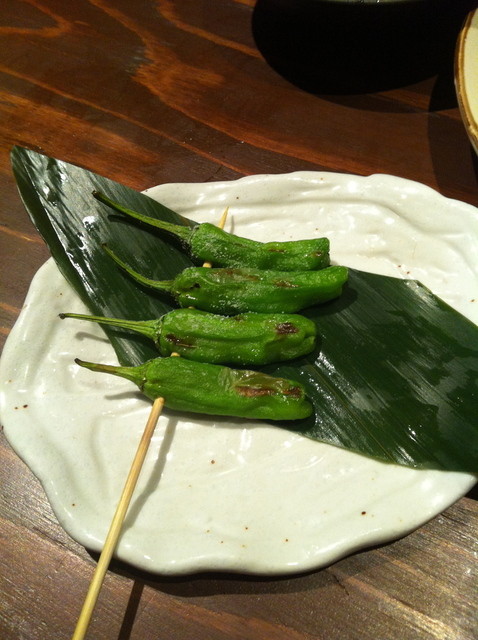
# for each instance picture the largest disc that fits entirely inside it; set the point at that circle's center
(466, 76)
(234, 496)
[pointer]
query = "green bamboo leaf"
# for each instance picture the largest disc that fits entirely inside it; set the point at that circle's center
(396, 377)
(395, 373)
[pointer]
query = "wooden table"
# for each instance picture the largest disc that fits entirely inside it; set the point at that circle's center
(148, 92)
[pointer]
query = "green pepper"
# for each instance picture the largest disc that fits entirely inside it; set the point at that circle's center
(247, 339)
(232, 291)
(214, 389)
(206, 242)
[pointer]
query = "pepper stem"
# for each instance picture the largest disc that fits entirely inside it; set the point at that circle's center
(182, 232)
(147, 328)
(162, 285)
(130, 373)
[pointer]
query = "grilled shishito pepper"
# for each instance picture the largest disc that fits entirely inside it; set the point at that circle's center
(247, 339)
(232, 291)
(214, 389)
(208, 243)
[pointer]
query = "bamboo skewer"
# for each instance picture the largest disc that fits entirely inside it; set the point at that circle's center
(122, 508)
(117, 522)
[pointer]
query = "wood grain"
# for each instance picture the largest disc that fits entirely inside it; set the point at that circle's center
(181, 91)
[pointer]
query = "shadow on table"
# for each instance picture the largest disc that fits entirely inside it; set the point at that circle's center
(206, 585)
(326, 47)
(473, 493)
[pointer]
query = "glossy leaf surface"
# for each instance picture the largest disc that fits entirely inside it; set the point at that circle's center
(395, 374)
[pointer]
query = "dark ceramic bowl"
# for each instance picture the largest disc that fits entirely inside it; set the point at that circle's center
(350, 46)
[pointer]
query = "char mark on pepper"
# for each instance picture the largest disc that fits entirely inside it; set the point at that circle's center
(254, 392)
(240, 274)
(284, 328)
(295, 392)
(179, 342)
